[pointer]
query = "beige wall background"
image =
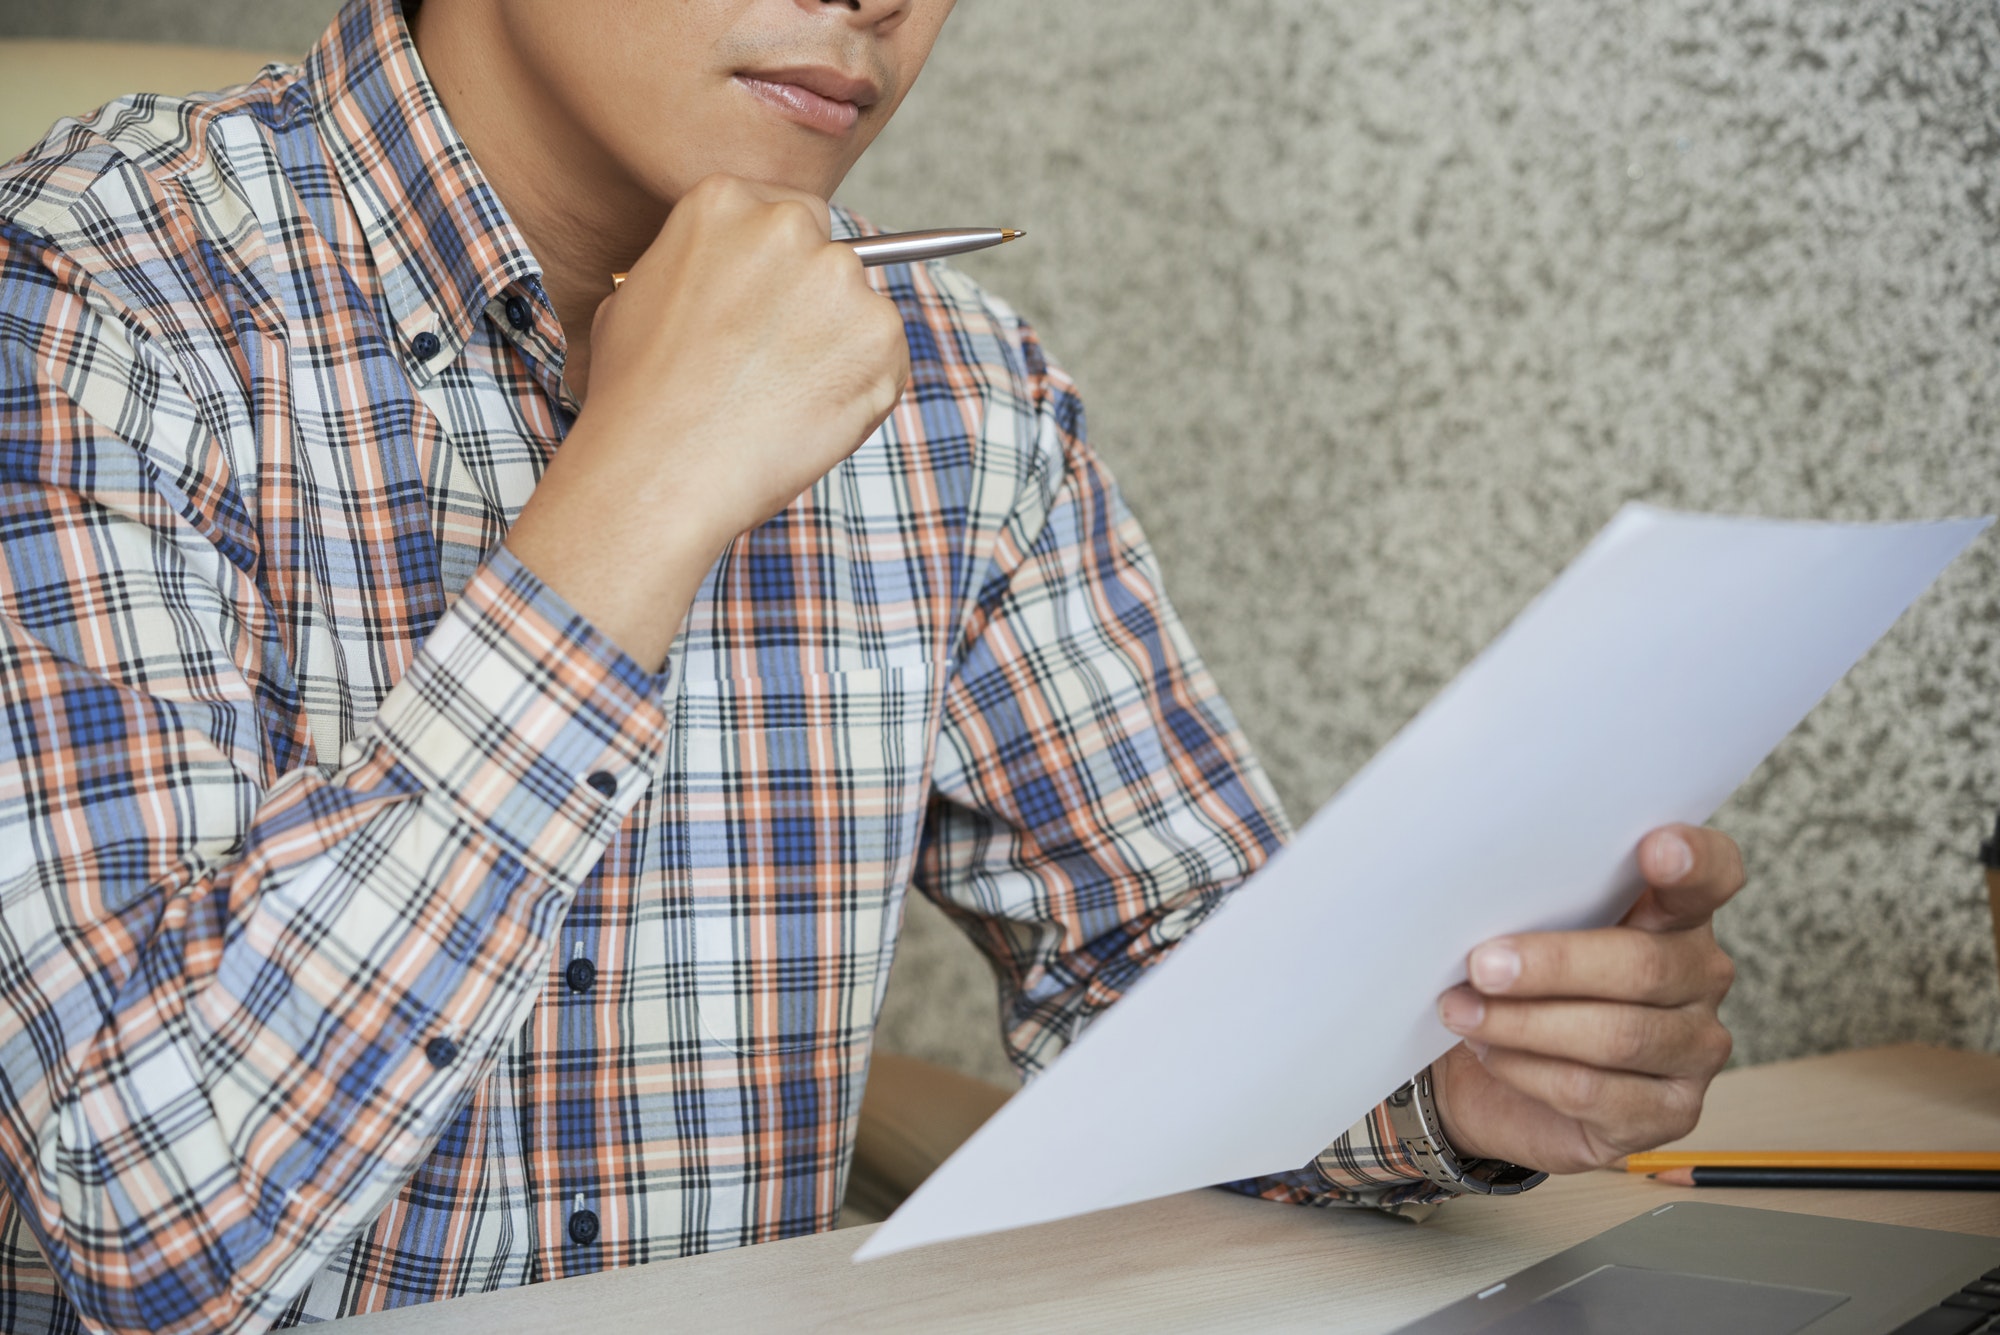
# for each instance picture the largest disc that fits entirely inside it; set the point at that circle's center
(1382, 309)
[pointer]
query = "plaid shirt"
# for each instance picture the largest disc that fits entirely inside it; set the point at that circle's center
(372, 931)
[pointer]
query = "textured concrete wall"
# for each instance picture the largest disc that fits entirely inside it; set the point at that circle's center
(1383, 309)
(254, 25)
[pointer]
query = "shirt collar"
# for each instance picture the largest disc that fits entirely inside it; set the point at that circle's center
(441, 241)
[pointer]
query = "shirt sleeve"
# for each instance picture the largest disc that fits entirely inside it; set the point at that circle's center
(237, 1005)
(1093, 797)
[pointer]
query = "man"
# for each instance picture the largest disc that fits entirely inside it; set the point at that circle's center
(468, 734)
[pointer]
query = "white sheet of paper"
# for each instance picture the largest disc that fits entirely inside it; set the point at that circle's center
(1640, 689)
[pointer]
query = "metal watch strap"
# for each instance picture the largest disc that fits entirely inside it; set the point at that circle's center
(1413, 1116)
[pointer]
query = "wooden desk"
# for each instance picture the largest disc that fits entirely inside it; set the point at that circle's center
(1209, 1260)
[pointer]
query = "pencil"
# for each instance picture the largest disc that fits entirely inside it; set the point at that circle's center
(1989, 858)
(1975, 1161)
(1845, 1179)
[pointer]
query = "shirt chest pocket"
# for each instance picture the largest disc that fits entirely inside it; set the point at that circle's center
(803, 802)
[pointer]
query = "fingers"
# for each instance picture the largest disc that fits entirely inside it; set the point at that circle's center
(1621, 1110)
(1690, 872)
(1611, 964)
(1592, 1044)
(1648, 1040)
(1663, 954)
(814, 209)
(735, 193)
(732, 204)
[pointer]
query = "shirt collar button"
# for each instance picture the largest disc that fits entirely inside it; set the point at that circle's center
(425, 346)
(520, 314)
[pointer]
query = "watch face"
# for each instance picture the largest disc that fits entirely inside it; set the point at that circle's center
(1498, 1178)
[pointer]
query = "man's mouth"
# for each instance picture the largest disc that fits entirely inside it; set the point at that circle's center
(815, 96)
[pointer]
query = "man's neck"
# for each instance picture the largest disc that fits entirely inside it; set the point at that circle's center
(582, 217)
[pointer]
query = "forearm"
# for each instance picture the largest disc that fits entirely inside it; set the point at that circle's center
(251, 992)
(239, 1070)
(610, 531)
(715, 397)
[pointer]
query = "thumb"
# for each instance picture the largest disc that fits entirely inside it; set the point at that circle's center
(1690, 872)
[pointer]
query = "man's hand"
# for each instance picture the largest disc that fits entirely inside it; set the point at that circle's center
(1581, 1047)
(745, 356)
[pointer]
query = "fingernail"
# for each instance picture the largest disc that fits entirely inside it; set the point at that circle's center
(1461, 1011)
(1671, 858)
(1494, 968)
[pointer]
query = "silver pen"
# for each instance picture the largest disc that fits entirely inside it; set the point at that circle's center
(909, 247)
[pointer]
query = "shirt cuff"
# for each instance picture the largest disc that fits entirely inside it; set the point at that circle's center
(529, 719)
(1370, 1164)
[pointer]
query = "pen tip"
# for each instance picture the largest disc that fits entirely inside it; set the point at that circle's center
(1010, 234)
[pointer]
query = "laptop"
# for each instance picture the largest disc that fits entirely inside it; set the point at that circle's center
(1692, 1268)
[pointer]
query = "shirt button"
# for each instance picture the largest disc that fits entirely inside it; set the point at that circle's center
(583, 1227)
(425, 346)
(518, 313)
(581, 975)
(441, 1051)
(604, 783)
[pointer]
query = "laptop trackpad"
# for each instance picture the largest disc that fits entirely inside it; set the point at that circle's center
(1625, 1300)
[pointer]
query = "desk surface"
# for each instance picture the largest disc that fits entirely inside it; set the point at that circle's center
(1210, 1260)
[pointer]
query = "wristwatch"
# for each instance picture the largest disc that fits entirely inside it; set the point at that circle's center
(1413, 1116)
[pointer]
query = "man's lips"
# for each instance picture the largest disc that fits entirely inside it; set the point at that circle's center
(824, 99)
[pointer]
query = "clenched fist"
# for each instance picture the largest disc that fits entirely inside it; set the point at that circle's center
(744, 357)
